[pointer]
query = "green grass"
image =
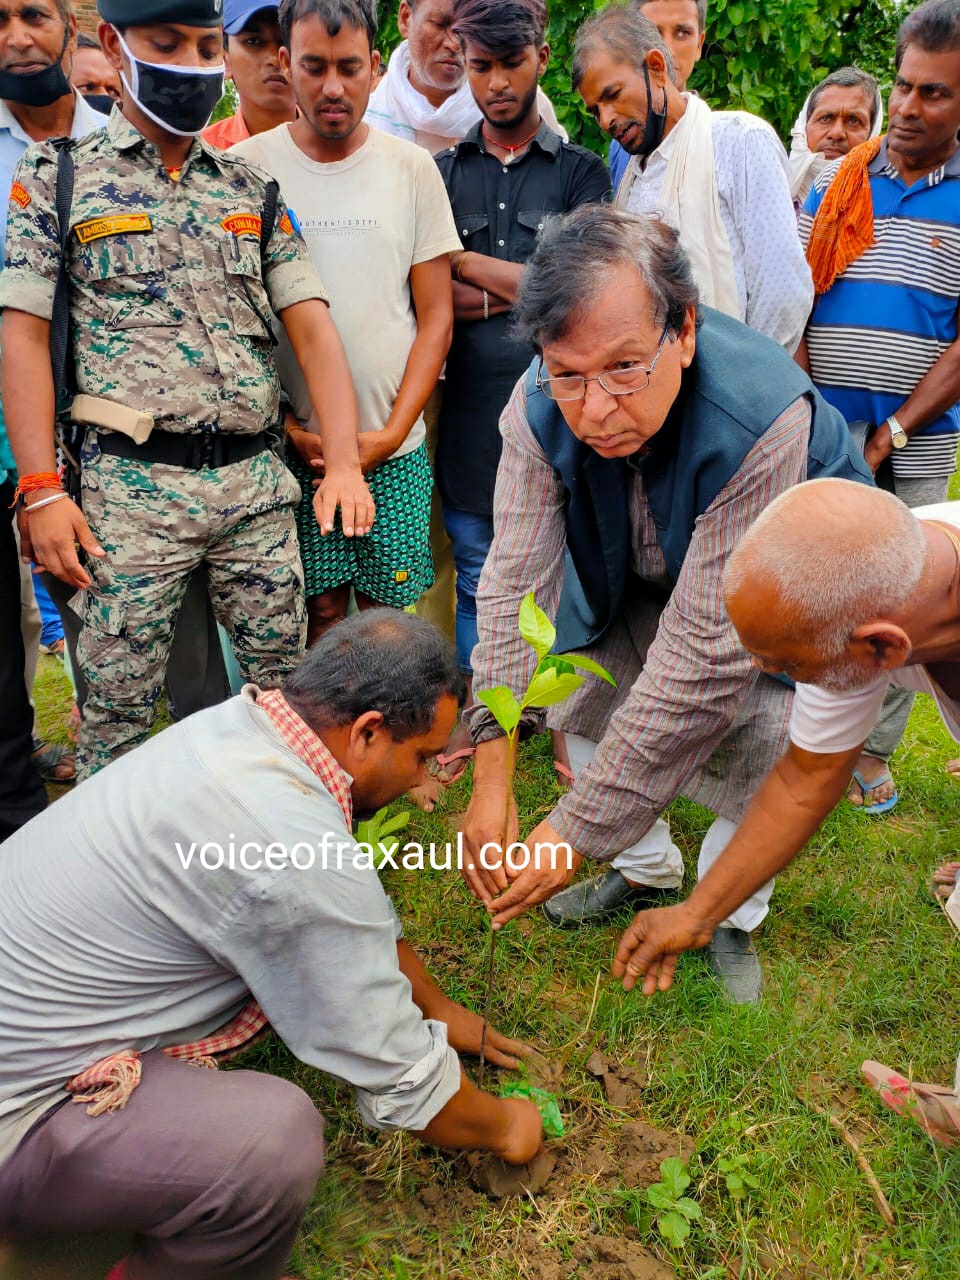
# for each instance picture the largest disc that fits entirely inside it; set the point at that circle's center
(859, 963)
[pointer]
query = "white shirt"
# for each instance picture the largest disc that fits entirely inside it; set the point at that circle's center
(827, 723)
(367, 221)
(773, 278)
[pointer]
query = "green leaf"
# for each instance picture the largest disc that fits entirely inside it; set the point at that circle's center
(750, 1180)
(549, 687)
(674, 1228)
(588, 664)
(673, 1171)
(552, 663)
(660, 1197)
(689, 1208)
(397, 823)
(535, 627)
(735, 1185)
(505, 707)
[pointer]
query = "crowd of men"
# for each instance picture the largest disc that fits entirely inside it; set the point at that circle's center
(267, 389)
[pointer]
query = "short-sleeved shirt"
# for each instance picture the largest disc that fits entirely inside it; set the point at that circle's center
(170, 295)
(891, 315)
(367, 221)
(827, 723)
(499, 210)
(14, 141)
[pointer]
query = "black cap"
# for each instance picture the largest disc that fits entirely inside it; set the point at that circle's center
(143, 13)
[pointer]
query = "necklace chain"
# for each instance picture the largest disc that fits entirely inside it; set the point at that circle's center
(502, 146)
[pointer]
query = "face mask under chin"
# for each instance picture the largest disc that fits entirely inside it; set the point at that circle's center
(37, 88)
(178, 99)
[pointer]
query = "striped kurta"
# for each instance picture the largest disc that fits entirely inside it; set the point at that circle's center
(691, 715)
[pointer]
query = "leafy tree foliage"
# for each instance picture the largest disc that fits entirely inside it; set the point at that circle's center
(761, 55)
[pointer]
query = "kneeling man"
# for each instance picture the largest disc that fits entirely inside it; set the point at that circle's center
(182, 899)
(636, 452)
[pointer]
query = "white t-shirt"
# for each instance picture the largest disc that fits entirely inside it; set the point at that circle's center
(826, 723)
(367, 221)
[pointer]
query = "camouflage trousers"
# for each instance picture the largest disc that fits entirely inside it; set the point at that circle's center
(157, 524)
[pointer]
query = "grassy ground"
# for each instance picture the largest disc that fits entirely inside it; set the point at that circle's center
(859, 963)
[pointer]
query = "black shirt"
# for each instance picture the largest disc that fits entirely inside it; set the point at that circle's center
(499, 210)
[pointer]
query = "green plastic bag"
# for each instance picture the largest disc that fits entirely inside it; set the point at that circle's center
(546, 1103)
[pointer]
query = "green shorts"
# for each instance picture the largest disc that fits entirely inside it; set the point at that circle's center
(392, 564)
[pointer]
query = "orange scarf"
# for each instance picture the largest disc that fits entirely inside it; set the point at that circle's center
(842, 231)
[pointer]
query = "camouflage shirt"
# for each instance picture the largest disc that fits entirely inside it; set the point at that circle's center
(163, 277)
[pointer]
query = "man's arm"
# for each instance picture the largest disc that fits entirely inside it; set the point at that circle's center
(497, 276)
(27, 287)
(936, 392)
(778, 281)
(527, 554)
(796, 797)
(48, 536)
(683, 703)
(433, 303)
(469, 303)
(323, 361)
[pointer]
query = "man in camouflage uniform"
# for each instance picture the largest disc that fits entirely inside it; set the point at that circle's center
(171, 294)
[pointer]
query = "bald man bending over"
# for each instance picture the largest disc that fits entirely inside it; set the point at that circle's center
(847, 591)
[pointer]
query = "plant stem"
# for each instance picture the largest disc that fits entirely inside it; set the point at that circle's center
(512, 739)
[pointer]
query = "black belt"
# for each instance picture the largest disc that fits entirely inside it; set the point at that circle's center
(193, 451)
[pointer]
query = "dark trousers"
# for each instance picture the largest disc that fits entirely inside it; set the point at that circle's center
(211, 1171)
(22, 795)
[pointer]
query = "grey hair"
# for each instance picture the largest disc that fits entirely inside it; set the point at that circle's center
(625, 33)
(934, 26)
(577, 254)
(361, 14)
(701, 11)
(850, 78)
(844, 569)
(378, 660)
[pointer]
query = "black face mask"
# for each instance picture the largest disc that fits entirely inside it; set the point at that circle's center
(179, 99)
(656, 122)
(101, 102)
(37, 88)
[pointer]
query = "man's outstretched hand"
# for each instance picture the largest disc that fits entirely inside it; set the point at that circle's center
(464, 1030)
(651, 946)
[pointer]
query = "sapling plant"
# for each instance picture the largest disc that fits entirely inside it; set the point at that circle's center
(553, 680)
(375, 832)
(673, 1212)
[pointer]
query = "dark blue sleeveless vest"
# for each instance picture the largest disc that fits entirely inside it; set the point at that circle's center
(737, 386)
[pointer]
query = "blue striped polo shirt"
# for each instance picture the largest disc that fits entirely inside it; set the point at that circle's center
(892, 314)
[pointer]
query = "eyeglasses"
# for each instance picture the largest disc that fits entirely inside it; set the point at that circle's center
(616, 382)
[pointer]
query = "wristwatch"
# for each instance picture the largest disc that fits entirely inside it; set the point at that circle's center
(897, 434)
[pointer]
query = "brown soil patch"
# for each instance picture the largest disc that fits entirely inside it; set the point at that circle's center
(622, 1083)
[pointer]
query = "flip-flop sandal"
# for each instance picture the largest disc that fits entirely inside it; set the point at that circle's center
(934, 1107)
(48, 757)
(465, 754)
(564, 774)
(882, 806)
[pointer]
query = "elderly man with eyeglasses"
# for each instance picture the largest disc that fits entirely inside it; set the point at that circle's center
(647, 435)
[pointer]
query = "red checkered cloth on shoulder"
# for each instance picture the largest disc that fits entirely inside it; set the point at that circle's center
(107, 1085)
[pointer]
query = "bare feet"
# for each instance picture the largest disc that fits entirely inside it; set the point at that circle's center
(953, 766)
(945, 879)
(425, 797)
(876, 772)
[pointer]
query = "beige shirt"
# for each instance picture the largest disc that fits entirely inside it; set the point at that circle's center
(367, 221)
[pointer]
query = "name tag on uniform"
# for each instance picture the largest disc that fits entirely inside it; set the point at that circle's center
(19, 195)
(98, 228)
(243, 224)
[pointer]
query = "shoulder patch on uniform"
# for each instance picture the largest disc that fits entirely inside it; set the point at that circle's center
(286, 225)
(243, 224)
(19, 195)
(99, 228)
